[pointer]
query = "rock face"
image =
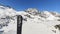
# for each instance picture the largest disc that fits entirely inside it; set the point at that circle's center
(34, 21)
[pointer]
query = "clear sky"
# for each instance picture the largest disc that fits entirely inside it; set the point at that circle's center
(50, 5)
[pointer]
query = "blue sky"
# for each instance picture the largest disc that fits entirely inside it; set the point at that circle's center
(50, 5)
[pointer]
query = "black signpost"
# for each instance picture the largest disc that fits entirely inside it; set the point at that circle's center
(19, 24)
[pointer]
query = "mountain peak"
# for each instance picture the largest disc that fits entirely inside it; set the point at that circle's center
(32, 11)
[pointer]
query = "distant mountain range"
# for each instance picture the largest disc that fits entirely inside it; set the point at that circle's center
(34, 21)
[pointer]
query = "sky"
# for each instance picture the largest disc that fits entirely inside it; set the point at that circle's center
(50, 5)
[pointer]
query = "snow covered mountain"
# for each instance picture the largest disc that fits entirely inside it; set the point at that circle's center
(34, 21)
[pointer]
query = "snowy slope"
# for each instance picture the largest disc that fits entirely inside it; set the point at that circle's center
(34, 21)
